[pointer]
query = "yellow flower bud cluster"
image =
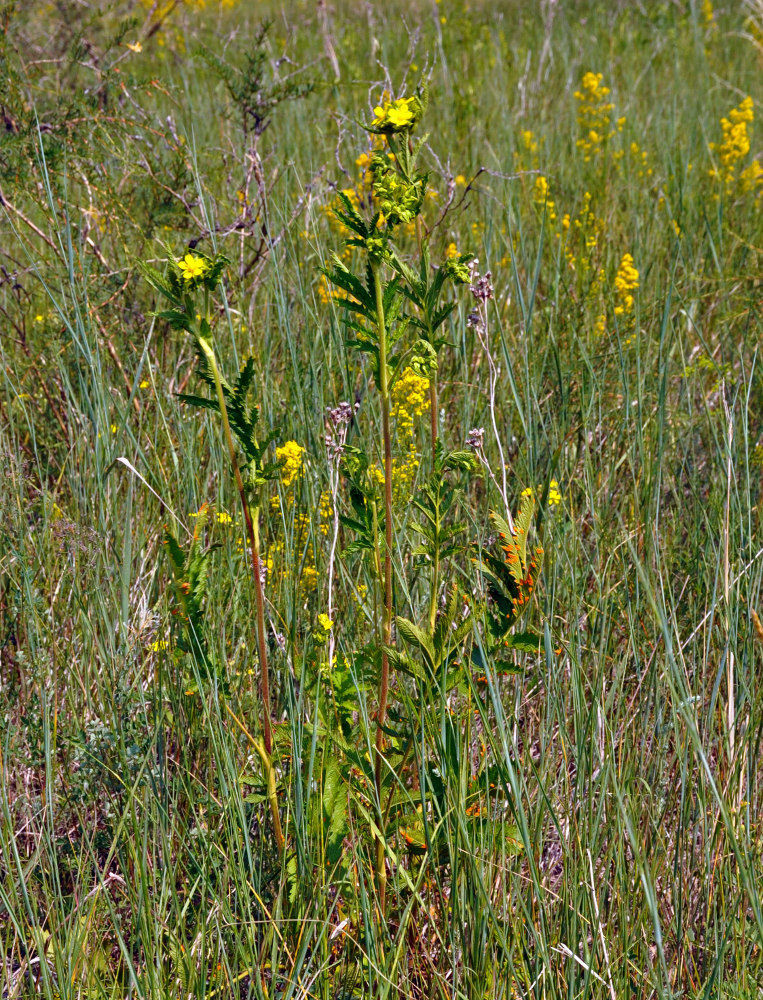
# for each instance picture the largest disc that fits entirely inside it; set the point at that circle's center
(397, 199)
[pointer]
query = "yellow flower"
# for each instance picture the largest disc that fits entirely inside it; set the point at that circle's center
(134, 46)
(159, 644)
(460, 180)
(396, 116)
(223, 518)
(192, 267)
(39, 319)
(144, 384)
(325, 622)
(400, 117)
(451, 251)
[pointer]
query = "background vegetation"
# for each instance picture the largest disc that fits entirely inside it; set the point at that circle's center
(597, 810)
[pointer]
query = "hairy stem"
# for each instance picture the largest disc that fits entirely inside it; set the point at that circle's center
(387, 615)
(251, 517)
(433, 407)
(435, 575)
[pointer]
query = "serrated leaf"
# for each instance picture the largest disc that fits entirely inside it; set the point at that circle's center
(526, 642)
(416, 636)
(177, 318)
(175, 553)
(401, 661)
(200, 401)
(158, 281)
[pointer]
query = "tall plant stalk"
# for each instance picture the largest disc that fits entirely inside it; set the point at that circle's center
(387, 612)
(251, 518)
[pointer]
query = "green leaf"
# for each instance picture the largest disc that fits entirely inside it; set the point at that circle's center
(413, 832)
(159, 282)
(177, 319)
(175, 553)
(527, 642)
(200, 401)
(334, 809)
(445, 622)
(416, 636)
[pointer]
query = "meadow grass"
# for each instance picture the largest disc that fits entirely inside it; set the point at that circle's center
(586, 825)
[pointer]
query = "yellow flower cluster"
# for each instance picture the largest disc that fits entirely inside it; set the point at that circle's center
(640, 159)
(554, 496)
(626, 282)
(289, 456)
(526, 157)
(581, 236)
(327, 293)
(326, 511)
(410, 399)
(733, 148)
(594, 115)
(541, 197)
(403, 473)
